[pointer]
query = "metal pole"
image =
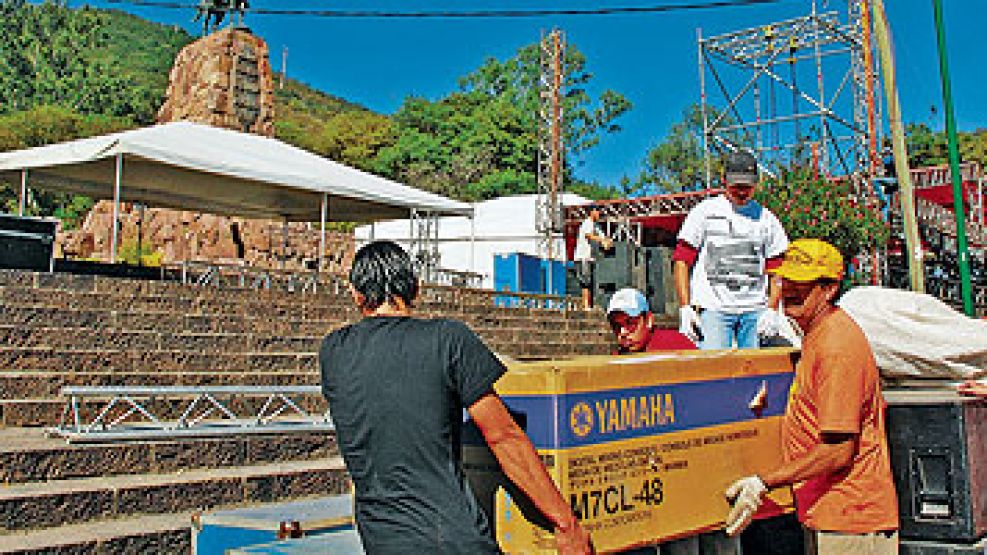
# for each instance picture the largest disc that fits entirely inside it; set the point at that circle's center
(702, 100)
(869, 89)
(116, 209)
(473, 239)
(823, 144)
(962, 254)
(284, 242)
(322, 229)
(22, 202)
(916, 265)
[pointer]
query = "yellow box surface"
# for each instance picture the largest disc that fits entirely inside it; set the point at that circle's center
(642, 447)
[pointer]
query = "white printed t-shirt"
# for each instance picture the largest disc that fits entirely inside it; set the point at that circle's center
(583, 250)
(729, 272)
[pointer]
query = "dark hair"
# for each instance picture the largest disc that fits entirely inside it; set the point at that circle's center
(381, 271)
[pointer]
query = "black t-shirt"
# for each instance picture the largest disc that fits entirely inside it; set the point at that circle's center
(397, 387)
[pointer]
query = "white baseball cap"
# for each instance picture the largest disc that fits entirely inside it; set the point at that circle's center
(630, 301)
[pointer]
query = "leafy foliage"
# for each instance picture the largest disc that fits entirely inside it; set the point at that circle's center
(928, 148)
(481, 141)
(143, 255)
(677, 163)
(823, 209)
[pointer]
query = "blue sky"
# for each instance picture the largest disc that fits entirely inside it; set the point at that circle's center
(651, 58)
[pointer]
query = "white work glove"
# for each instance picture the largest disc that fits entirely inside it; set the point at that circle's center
(746, 495)
(689, 323)
(769, 323)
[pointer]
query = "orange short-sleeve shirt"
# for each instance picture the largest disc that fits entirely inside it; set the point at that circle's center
(837, 389)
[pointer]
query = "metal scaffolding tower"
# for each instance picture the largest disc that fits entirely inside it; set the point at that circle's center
(551, 154)
(799, 90)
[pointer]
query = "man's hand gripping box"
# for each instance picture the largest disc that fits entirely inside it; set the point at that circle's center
(642, 447)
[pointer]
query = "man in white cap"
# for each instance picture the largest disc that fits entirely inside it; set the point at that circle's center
(633, 324)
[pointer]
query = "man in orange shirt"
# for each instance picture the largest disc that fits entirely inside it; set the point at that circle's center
(833, 436)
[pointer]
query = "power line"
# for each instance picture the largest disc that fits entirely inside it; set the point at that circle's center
(620, 10)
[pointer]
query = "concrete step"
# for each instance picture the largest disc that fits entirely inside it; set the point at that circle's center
(146, 534)
(25, 384)
(47, 504)
(48, 411)
(29, 455)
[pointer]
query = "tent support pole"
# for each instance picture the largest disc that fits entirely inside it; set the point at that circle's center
(22, 202)
(114, 234)
(322, 230)
(473, 239)
(284, 242)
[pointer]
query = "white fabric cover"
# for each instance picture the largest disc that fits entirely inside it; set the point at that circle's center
(918, 336)
(190, 166)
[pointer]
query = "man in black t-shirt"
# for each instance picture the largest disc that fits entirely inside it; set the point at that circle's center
(397, 386)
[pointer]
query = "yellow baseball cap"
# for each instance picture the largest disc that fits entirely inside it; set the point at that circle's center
(809, 260)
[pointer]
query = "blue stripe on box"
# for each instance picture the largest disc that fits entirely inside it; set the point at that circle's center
(592, 418)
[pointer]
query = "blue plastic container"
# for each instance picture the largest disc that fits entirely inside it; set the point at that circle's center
(517, 272)
(343, 542)
(216, 532)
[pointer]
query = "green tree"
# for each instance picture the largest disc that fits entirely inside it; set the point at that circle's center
(677, 163)
(482, 141)
(355, 137)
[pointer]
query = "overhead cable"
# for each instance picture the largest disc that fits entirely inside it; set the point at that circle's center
(618, 10)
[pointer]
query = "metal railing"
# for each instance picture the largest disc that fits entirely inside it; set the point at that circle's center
(149, 412)
(460, 286)
(242, 275)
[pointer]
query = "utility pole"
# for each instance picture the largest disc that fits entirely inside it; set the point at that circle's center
(962, 254)
(913, 244)
(550, 140)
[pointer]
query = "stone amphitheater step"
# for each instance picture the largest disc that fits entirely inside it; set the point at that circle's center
(88, 339)
(433, 298)
(160, 321)
(127, 361)
(83, 338)
(146, 534)
(28, 383)
(55, 503)
(48, 411)
(244, 304)
(28, 455)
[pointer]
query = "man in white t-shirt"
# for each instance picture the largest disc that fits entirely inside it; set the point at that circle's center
(583, 256)
(725, 246)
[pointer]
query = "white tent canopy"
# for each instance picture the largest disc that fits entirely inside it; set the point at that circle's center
(189, 166)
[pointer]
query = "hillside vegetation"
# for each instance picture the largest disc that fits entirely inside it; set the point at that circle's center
(67, 73)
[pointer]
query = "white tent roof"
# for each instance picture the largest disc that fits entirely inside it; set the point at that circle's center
(196, 167)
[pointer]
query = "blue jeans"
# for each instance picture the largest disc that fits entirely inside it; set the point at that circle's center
(720, 329)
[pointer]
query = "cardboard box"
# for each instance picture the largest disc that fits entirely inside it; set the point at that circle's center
(643, 446)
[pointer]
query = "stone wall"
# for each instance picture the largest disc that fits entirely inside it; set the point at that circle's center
(182, 235)
(223, 80)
